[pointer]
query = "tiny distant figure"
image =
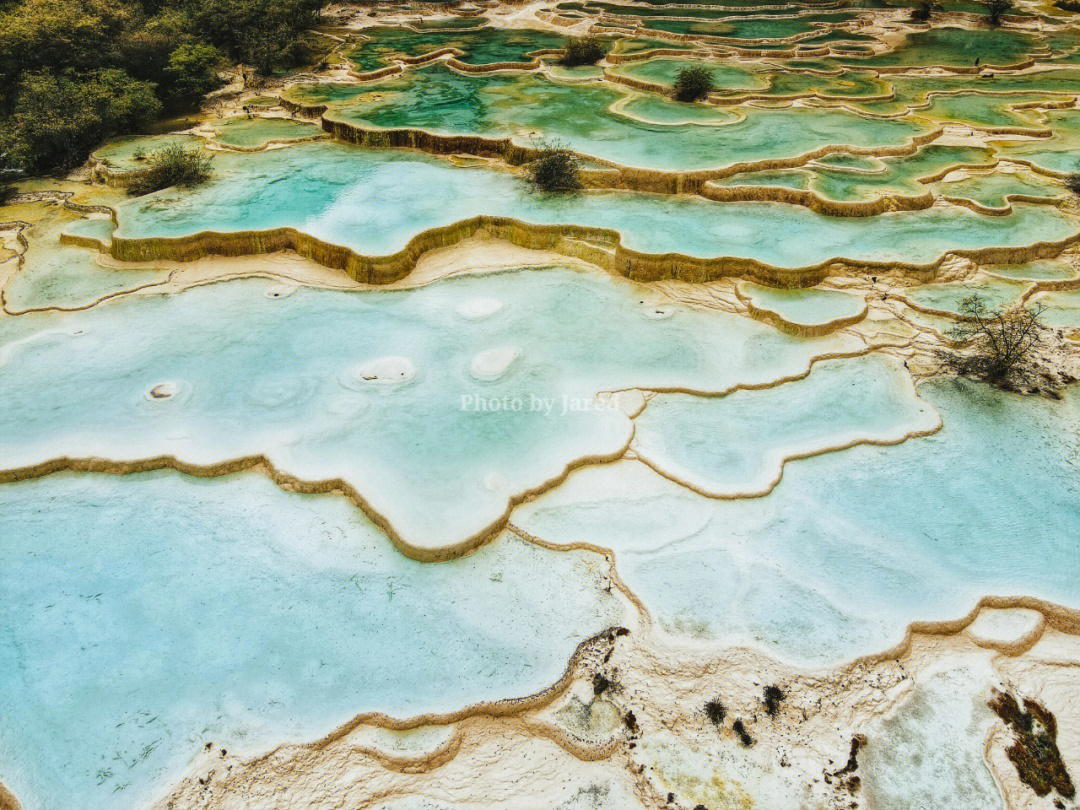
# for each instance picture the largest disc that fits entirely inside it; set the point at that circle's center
(977, 58)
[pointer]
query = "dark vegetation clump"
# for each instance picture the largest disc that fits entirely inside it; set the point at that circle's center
(693, 84)
(171, 165)
(716, 711)
(600, 684)
(997, 9)
(556, 170)
(923, 11)
(1072, 181)
(852, 764)
(75, 72)
(997, 346)
(772, 698)
(585, 51)
(630, 721)
(1034, 751)
(742, 733)
(1068, 5)
(846, 777)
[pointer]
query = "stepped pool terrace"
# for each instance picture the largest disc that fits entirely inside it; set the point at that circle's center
(529, 108)
(374, 201)
(396, 401)
(479, 47)
(850, 547)
(365, 473)
(148, 616)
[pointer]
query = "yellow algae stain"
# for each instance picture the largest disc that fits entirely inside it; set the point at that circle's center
(695, 776)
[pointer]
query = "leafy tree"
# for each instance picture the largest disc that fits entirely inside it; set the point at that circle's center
(73, 72)
(997, 9)
(78, 35)
(191, 73)
(261, 33)
(693, 84)
(58, 118)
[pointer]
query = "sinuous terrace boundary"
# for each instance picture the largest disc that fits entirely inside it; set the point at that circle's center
(1057, 617)
(718, 495)
(337, 486)
(586, 659)
(615, 175)
(600, 246)
(775, 319)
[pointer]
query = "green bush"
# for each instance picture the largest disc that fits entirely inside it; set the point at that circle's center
(58, 119)
(555, 170)
(171, 165)
(693, 84)
(740, 731)
(1072, 182)
(586, 51)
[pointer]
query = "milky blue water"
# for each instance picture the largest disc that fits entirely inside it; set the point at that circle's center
(145, 616)
(374, 201)
(738, 444)
(505, 370)
(852, 546)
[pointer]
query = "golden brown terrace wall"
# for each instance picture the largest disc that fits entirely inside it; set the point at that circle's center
(774, 318)
(599, 246)
(7, 799)
(622, 58)
(884, 204)
(616, 176)
(742, 98)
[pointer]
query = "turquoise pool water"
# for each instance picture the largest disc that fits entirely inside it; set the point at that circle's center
(400, 393)
(529, 107)
(374, 201)
(852, 546)
(809, 307)
(737, 444)
(145, 616)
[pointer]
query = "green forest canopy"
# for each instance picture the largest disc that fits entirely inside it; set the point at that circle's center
(73, 72)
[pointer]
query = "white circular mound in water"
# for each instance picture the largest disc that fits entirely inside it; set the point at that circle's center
(385, 370)
(493, 363)
(162, 391)
(476, 309)
(280, 290)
